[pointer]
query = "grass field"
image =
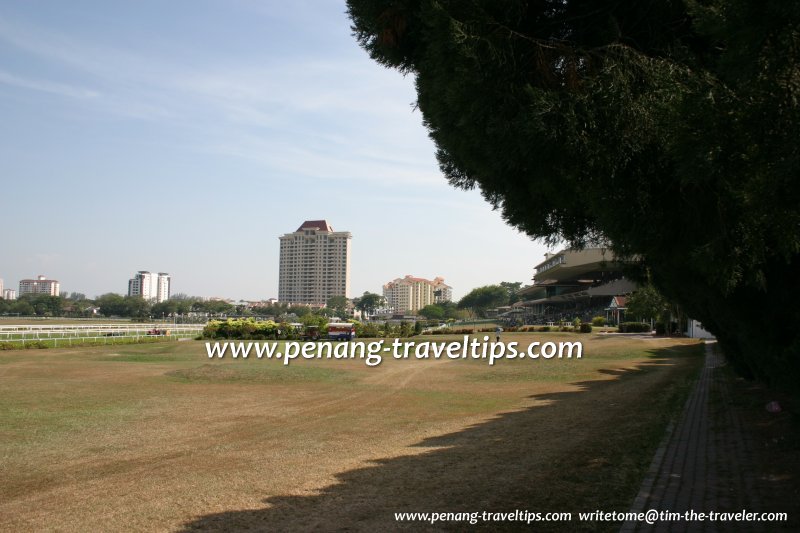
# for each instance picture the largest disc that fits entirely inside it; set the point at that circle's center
(159, 437)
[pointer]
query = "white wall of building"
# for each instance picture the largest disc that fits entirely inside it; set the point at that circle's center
(694, 329)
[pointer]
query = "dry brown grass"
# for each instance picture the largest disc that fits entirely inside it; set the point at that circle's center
(150, 438)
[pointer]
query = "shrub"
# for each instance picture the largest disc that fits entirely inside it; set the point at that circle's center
(634, 327)
(544, 328)
(599, 321)
(661, 328)
(240, 329)
(368, 330)
(585, 327)
(462, 331)
(20, 346)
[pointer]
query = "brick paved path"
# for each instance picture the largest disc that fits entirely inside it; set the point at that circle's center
(704, 463)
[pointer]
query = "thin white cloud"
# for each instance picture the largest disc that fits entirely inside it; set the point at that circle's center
(46, 86)
(292, 159)
(352, 92)
(100, 61)
(334, 119)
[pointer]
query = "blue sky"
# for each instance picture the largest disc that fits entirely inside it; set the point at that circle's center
(187, 136)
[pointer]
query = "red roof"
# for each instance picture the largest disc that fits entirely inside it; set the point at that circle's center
(315, 224)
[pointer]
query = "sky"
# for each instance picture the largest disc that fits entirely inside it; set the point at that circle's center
(187, 136)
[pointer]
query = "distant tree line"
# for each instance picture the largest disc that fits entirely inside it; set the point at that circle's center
(40, 305)
(76, 305)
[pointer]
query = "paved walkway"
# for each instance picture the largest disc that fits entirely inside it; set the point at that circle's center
(704, 464)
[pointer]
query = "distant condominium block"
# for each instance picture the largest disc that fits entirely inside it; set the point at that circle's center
(9, 294)
(1, 288)
(412, 294)
(163, 287)
(40, 285)
(150, 286)
(442, 292)
(314, 264)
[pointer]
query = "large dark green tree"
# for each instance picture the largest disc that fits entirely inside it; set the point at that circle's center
(668, 129)
(369, 302)
(646, 303)
(513, 288)
(483, 298)
(338, 304)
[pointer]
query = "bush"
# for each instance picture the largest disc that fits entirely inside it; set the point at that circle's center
(26, 346)
(544, 328)
(661, 328)
(634, 327)
(463, 331)
(585, 327)
(241, 329)
(599, 321)
(369, 330)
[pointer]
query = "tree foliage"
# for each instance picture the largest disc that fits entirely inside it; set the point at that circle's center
(369, 302)
(338, 304)
(666, 128)
(432, 312)
(512, 288)
(442, 311)
(483, 298)
(646, 303)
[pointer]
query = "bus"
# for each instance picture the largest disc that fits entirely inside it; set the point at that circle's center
(341, 331)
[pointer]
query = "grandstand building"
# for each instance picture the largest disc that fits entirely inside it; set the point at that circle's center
(573, 284)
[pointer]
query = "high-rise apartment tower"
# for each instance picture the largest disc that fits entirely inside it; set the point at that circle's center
(150, 286)
(314, 264)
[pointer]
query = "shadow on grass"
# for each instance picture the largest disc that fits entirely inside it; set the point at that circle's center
(572, 451)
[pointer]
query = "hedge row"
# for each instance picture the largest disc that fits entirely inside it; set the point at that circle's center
(634, 327)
